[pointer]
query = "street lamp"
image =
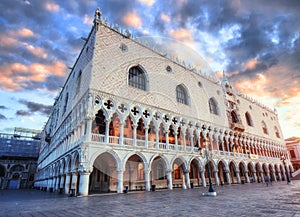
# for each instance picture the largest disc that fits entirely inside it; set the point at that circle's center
(286, 171)
(205, 154)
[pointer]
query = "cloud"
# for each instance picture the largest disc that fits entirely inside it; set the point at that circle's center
(132, 19)
(3, 107)
(147, 2)
(15, 76)
(165, 17)
(23, 113)
(51, 7)
(33, 107)
(184, 35)
(88, 20)
(2, 117)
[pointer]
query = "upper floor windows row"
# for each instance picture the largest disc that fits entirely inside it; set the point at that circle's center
(138, 78)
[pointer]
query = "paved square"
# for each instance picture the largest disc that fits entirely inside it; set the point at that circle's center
(279, 199)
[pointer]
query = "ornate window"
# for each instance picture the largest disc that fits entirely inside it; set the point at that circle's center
(234, 117)
(249, 119)
(78, 81)
(264, 127)
(213, 106)
(181, 95)
(66, 103)
(277, 132)
(137, 78)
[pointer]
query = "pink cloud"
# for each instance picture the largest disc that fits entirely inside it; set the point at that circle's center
(132, 19)
(184, 35)
(165, 18)
(52, 7)
(14, 76)
(36, 51)
(147, 2)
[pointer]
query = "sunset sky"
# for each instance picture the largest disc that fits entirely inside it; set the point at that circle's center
(257, 44)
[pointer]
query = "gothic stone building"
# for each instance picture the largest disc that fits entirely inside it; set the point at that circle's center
(130, 116)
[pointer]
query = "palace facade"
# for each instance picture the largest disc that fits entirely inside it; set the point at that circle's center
(132, 116)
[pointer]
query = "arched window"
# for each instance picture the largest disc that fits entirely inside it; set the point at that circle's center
(277, 132)
(99, 124)
(234, 117)
(181, 95)
(78, 82)
(137, 78)
(249, 119)
(213, 106)
(264, 127)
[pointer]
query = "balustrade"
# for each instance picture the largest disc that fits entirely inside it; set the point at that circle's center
(140, 142)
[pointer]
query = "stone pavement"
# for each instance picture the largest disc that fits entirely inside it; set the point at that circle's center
(254, 199)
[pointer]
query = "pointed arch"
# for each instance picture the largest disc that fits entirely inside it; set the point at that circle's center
(137, 78)
(234, 117)
(114, 125)
(99, 125)
(213, 106)
(264, 127)
(249, 119)
(182, 95)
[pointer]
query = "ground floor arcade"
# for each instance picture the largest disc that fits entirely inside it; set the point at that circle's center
(116, 170)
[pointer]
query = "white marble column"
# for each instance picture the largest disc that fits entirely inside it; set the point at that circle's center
(157, 138)
(187, 179)
(169, 180)
(120, 181)
(134, 134)
(176, 140)
(67, 183)
(84, 183)
(106, 139)
(57, 183)
(62, 183)
(147, 179)
(167, 139)
(279, 176)
(121, 133)
(146, 136)
(228, 177)
(254, 177)
(237, 173)
(89, 129)
(262, 176)
(203, 179)
(74, 182)
(216, 178)
(247, 177)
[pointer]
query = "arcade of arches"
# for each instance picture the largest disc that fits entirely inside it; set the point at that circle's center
(140, 150)
(110, 173)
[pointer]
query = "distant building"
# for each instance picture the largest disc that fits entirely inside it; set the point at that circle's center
(18, 158)
(129, 115)
(293, 147)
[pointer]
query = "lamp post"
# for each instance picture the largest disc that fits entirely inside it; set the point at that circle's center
(286, 171)
(206, 155)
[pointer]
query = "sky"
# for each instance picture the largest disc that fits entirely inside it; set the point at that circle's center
(256, 43)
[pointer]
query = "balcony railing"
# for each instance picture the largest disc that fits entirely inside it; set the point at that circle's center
(172, 147)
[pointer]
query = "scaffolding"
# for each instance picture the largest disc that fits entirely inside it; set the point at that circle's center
(22, 143)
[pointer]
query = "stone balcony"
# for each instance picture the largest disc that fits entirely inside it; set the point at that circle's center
(172, 148)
